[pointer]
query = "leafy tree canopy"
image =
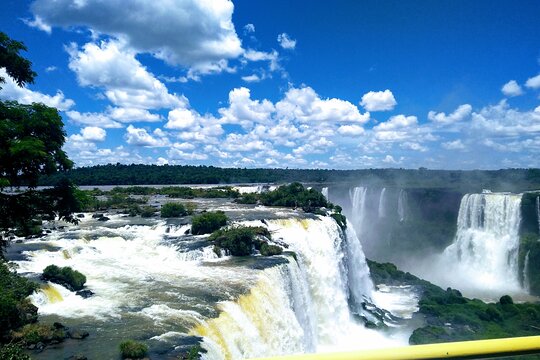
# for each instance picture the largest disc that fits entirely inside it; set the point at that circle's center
(16, 66)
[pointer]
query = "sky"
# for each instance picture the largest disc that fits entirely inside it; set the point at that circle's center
(449, 84)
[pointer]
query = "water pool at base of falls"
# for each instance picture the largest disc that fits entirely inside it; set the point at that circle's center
(153, 283)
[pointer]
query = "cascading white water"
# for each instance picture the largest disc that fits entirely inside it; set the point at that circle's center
(402, 205)
(538, 212)
(526, 283)
(484, 254)
(382, 204)
(324, 191)
(358, 202)
(300, 307)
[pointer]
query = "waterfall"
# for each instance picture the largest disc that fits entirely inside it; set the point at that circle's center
(402, 205)
(538, 212)
(324, 191)
(526, 282)
(358, 201)
(382, 212)
(485, 249)
(302, 306)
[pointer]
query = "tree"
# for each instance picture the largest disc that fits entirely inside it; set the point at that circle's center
(31, 140)
(17, 67)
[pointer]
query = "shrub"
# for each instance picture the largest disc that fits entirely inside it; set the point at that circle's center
(35, 333)
(147, 211)
(208, 222)
(295, 195)
(66, 276)
(238, 241)
(249, 198)
(506, 300)
(269, 250)
(131, 349)
(170, 210)
(13, 352)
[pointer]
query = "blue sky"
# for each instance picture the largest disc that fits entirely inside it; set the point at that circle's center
(306, 84)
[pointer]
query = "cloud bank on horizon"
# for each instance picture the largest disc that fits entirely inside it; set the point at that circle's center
(205, 82)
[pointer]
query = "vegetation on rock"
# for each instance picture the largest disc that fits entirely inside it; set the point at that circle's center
(131, 349)
(241, 240)
(170, 210)
(66, 276)
(208, 222)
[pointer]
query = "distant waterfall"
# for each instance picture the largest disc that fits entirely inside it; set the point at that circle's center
(324, 191)
(526, 283)
(358, 201)
(485, 249)
(382, 210)
(301, 306)
(402, 205)
(538, 212)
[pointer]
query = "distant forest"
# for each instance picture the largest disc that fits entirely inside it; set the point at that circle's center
(475, 180)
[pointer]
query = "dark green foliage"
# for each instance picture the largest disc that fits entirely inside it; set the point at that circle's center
(35, 333)
(194, 353)
(249, 198)
(170, 210)
(240, 241)
(13, 352)
(131, 349)
(173, 192)
(295, 195)
(270, 250)
(530, 245)
(341, 220)
(17, 67)
(15, 310)
(66, 276)
(208, 222)
(468, 319)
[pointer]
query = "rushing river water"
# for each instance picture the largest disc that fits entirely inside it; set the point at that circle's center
(156, 284)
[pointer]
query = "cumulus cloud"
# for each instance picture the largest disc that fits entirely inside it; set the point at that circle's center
(460, 114)
(511, 89)
(181, 119)
(534, 82)
(90, 134)
(414, 146)
(141, 137)
(378, 101)
(453, 145)
(351, 130)
(249, 28)
(127, 83)
(11, 91)
(251, 78)
(189, 33)
(502, 121)
(92, 119)
(125, 115)
(38, 23)
(305, 105)
(244, 111)
(397, 122)
(286, 42)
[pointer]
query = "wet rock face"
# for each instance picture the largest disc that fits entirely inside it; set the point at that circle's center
(85, 293)
(77, 334)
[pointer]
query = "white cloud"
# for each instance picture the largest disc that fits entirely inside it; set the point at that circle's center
(454, 145)
(162, 161)
(378, 101)
(132, 115)
(271, 57)
(502, 121)
(181, 119)
(128, 84)
(414, 146)
(181, 32)
(92, 119)
(90, 134)
(244, 111)
(351, 130)
(397, 122)
(140, 137)
(460, 114)
(534, 82)
(11, 91)
(251, 78)
(51, 68)
(511, 89)
(286, 42)
(304, 105)
(249, 28)
(177, 154)
(38, 23)
(389, 159)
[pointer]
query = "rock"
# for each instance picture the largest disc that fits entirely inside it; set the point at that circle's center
(78, 334)
(40, 346)
(77, 357)
(31, 347)
(57, 325)
(28, 312)
(85, 293)
(97, 216)
(103, 218)
(18, 241)
(187, 231)
(80, 216)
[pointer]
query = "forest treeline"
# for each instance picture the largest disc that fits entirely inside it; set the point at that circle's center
(138, 174)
